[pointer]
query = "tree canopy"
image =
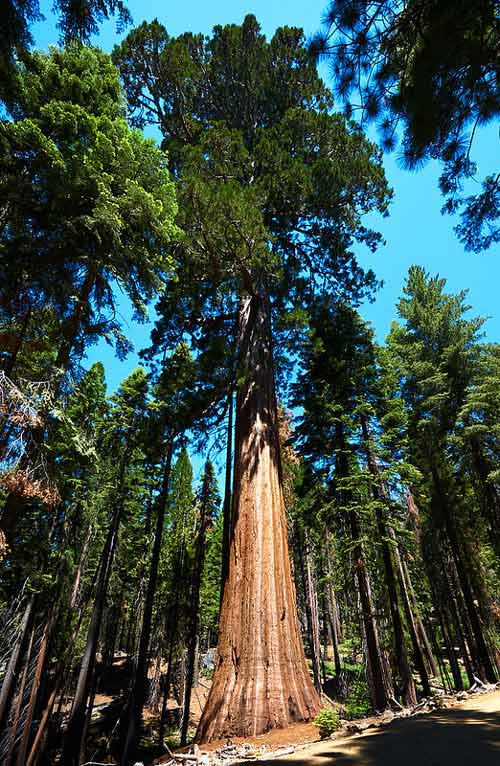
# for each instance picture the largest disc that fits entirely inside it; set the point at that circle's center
(427, 73)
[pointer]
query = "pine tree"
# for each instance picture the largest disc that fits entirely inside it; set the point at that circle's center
(436, 351)
(432, 79)
(89, 202)
(127, 419)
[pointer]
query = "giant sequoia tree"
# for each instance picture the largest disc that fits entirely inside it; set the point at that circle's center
(272, 188)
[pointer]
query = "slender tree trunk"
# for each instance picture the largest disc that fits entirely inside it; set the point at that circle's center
(374, 655)
(462, 627)
(227, 507)
(196, 669)
(88, 714)
(166, 690)
(380, 494)
(19, 699)
(379, 690)
(418, 655)
(333, 610)
(409, 595)
(9, 367)
(332, 627)
(450, 649)
(261, 679)
(312, 613)
(111, 635)
(35, 686)
(36, 747)
(172, 631)
(81, 562)
(488, 491)
(9, 679)
(138, 692)
(73, 740)
(195, 606)
(486, 668)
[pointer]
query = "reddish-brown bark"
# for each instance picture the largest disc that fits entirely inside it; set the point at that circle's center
(261, 679)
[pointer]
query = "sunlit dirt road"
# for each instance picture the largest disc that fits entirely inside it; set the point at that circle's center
(467, 735)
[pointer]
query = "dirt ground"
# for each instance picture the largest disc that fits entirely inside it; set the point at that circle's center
(467, 734)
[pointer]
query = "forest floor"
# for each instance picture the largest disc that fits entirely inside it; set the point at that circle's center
(465, 734)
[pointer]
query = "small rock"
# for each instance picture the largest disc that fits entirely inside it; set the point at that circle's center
(356, 728)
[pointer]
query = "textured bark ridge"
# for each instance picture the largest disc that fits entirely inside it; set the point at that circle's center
(261, 680)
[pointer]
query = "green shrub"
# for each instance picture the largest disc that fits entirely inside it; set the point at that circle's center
(358, 703)
(327, 721)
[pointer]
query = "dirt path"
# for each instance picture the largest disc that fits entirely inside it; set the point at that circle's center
(466, 735)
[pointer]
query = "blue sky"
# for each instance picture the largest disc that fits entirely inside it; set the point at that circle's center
(415, 232)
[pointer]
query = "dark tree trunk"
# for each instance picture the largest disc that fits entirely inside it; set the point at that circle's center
(195, 605)
(486, 669)
(332, 610)
(380, 494)
(166, 690)
(411, 617)
(138, 692)
(378, 686)
(421, 637)
(19, 700)
(374, 655)
(488, 491)
(35, 687)
(9, 367)
(73, 740)
(450, 650)
(37, 746)
(10, 677)
(311, 606)
(261, 679)
(462, 626)
(172, 632)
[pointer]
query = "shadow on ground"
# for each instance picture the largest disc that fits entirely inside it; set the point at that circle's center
(454, 737)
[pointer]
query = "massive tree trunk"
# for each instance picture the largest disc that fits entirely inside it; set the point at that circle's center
(227, 507)
(261, 679)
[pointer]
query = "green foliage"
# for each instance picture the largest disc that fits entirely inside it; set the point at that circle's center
(327, 721)
(76, 21)
(429, 69)
(271, 184)
(89, 202)
(358, 704)
(210, 586)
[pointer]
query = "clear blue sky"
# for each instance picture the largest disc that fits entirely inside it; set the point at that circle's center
(415, 232)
